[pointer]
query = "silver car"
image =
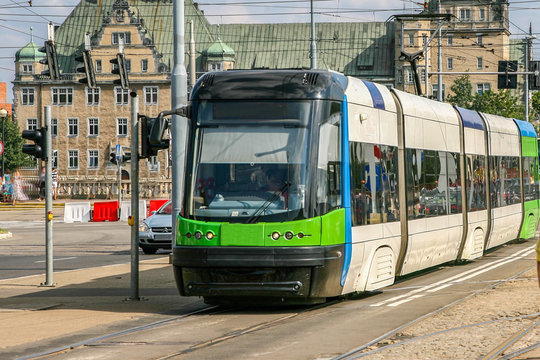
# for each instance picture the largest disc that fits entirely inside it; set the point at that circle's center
(155, 232)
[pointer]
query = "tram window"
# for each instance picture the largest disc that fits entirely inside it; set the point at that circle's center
(454, 182)
(530, 178)
(512, 188)
(476, 182)
(427, 188)
(390, 181)
(495, 181)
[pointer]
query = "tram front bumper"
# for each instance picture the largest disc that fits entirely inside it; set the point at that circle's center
(301, 272)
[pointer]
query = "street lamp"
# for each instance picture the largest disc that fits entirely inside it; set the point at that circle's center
(3, 115)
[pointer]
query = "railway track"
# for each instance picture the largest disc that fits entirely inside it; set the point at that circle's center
(521, 335)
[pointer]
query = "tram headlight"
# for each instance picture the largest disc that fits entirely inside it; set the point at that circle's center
(289, 235)
(209, 235)
(275, 235)
(300, 235)
(198, 235)
(188, 235)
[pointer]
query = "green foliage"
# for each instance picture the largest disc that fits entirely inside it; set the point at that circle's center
(13, 142)
(462, 89)
(535, 102)
(499, 103)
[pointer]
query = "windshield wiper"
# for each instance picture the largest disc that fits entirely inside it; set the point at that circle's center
(253, 218)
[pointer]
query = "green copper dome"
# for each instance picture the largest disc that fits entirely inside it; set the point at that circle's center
(220, 51)
(29, 53)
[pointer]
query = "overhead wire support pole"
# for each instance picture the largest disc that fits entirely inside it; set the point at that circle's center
(313, 45)
(179, 124)
(439, 57)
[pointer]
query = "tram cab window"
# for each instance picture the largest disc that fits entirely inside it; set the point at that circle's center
(328, 176)
(530, 178)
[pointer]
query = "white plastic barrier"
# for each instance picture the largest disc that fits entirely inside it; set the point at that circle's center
(125, 210)
(77, 212)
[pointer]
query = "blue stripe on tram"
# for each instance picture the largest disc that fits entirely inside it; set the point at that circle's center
(376, 96)
(346, 190)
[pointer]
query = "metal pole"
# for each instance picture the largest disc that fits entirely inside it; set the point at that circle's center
(134, 196)
(119, 162)
(313, 46)
(439, 59)
(192, 66)
(526, 90)
(3, 144)
(179, 124)
(48, 201)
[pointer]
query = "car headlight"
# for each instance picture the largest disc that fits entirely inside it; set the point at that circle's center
(144, 227)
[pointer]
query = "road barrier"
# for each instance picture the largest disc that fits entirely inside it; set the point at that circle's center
(155, 205)
(105, 211)
(77, 212)
(125, 210)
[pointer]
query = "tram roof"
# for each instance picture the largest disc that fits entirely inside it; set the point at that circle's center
(470, 118)
(270, 84)
(526, 128)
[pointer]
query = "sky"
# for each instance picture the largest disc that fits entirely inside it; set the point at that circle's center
(17, 18)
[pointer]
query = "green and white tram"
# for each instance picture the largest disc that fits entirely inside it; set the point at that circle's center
(303, 185)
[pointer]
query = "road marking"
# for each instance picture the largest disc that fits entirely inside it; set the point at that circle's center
(68, 258)
(439, 285)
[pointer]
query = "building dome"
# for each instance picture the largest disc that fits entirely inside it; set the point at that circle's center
(219, 51)
(30, 52)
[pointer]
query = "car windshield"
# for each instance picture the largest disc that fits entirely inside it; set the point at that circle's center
(165, 209)
(250, 169)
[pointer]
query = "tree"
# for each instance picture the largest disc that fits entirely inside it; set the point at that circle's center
(462, 89)
(13, 142)
(535, 102)
(499, 103)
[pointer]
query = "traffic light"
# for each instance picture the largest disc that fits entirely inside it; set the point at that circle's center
(152, 131)
(88, 68)
(51, 60)
(534, 79)
(507, 80)
(125, 157)
(39, 148)
(121, 70)
(112, 158)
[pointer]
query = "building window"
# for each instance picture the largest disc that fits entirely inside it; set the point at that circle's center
(93, 127)
(450, 63)
(55, 159)
(482, 88)
(54, 127)
(116, 36)
(411, 39)
(31, 124)
(424, 40)
(479, 63)
(479, 39)
(464, 14)
(144, 65)
(73, 127)
(400, 77)
(450, 39)
(73, 159)
(128, 65)
(121, 96)
(93, 159)
(27, 68)
(62, 96)
(423, 75)
(150, 95)
(435, 91)
(27, 96)
(215, 66)
(122, 127)
(482, 14)
(99, 68)
(92, 96)
(410, 76)
(153, 163)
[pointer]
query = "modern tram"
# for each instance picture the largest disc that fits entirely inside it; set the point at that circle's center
(304, 185)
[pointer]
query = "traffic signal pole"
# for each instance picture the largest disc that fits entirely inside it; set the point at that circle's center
(48, 200)
(134, 221)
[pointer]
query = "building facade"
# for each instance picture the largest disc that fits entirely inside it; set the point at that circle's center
(89, 123)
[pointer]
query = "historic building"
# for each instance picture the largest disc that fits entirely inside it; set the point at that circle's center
(89, 123)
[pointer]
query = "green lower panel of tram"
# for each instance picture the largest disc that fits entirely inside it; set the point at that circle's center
(530, 220)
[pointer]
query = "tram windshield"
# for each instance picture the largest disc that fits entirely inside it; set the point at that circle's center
(249, 161)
